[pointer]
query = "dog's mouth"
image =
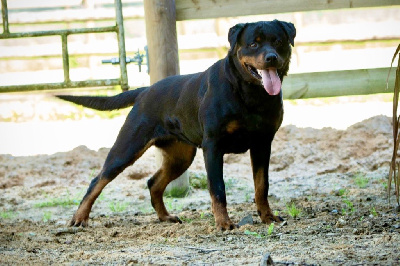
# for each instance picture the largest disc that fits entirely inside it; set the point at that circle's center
(268, 77)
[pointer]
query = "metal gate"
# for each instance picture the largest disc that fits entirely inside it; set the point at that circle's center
(118, 29)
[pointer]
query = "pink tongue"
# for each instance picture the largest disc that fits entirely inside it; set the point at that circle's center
(272, 83)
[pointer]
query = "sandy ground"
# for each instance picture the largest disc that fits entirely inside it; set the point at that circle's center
(336, 176)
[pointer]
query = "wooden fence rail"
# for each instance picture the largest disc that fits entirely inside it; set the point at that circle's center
(338, 83)
(200, 9)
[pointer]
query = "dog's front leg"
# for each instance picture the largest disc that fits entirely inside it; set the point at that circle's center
(260, 156)
(213, 158)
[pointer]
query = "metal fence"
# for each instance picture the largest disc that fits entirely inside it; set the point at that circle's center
(67, 83)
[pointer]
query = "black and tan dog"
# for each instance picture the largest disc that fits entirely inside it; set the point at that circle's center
(233, 106)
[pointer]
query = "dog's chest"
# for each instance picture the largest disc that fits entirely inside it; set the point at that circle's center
(238, 134)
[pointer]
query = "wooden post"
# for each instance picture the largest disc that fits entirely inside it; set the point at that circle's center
(162, 42)
(162, 46)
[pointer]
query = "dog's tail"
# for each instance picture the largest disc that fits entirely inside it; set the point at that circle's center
(105, 103)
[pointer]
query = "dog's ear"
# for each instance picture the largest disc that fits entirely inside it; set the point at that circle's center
(234, 34)
(289, 29)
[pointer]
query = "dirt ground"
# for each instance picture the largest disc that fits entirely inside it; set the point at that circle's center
(337, 179)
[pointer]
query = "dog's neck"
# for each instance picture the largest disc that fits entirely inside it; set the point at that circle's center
(233, 70)
(252, 94)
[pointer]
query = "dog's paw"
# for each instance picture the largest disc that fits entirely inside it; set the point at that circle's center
(171, 219)
(79, 220)
(269, 219)
(226, 225)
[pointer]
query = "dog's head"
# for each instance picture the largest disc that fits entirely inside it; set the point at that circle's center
(261, 52)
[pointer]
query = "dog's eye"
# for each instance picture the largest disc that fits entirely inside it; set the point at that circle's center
(278, 43)
(253, 45)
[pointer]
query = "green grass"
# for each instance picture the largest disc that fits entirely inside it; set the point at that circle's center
(247, 196)
(173, 205)
(46, 216)
(7, 214)
(259, 235)
(198, 180)
(361, 180)
(64, 201)
(343, 192)
(92, 173)
(293, 211)
(230, 183)
(270, 229)
(349, 207)
(373, 212)
(176, 192)
(146, 209)
(186, 220)
(205, 215)
(54, 202)
(384, 183)
(101, 197)
(118, 206)
(255, 234)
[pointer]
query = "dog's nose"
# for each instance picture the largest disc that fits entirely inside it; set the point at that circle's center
(271, 58)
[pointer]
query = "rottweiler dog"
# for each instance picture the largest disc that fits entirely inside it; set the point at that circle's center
(234, 106)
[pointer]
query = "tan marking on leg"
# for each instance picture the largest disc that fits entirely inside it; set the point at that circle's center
(156, 193)
(262, 203)
(81, 216)
(177, 157)
(222, 220)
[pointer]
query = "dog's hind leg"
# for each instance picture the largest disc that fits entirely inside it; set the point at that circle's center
(177, 157)
(133, 140)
